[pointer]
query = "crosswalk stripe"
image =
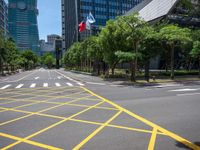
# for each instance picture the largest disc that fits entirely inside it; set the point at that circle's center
(81, 84)
(33, 85)
(45, 85)
(57, 84)
(4, 87)
(69, 84)
(19, 86)
(183, 90)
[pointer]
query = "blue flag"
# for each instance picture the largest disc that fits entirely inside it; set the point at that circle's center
(90, 18)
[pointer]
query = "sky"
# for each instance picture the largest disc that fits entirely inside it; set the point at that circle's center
(49, 19)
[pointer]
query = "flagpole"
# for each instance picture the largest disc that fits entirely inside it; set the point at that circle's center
(76, 12)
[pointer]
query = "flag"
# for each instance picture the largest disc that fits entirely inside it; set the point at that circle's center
(88, 25)
(90, 18)
(82, 26)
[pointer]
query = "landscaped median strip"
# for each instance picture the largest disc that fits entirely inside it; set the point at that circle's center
(149, 123)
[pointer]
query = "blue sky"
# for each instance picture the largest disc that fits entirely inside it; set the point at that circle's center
(49, 19)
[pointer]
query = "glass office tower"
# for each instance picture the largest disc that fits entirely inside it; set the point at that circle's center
(75, 11)
(22, 21)
(3, 17)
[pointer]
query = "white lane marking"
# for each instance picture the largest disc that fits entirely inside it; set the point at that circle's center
(183, 90)
(45, 85)
(95, 83)
(81, 84)
(33, 85)
(59, 77)
(19, 86)
(188, 94)
(57, 84)
(37, 78)
(69, 84)
(6, 86)
(166, 85)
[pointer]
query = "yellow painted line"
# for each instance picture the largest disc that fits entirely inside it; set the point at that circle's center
(153, 139)
(81, 144)
(29, 142)
(51, 126)
(171, 134)
(35, 113)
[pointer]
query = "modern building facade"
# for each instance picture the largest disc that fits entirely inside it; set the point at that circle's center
(182, 12)
(23, 26)
(3, 17)
(75, 11)
(51, 38)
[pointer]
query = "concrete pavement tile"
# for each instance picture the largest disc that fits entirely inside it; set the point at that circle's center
(9, 115)
(117, 139)
(26, 126)
(5, 142)
(15, 104)
(37, 107)
(24, 146)
(97, 115)
(66, 135)
(128, 121)
(64, 111)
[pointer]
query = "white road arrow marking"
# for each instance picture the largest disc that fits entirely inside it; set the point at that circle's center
(37, 78)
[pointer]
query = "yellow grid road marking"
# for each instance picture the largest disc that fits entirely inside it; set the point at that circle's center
(153, 139)
(96, 131)
(29, 142)
(51, 126)
(172, 135)
(35, 113)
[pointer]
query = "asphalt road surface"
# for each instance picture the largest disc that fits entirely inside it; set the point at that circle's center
(55, 109)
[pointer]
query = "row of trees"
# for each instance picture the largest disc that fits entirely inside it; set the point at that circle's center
(130, 39)
(11, 59)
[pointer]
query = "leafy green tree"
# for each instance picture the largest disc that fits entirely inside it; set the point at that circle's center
(110, 42)
(30, 59)
(132, 28)
(150, 47)
(174, 37)
(49, 61)
(196, 52)
(12, 53)
(3, 51)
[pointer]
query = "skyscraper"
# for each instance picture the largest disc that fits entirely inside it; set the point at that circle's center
(23, 26)
(75, 11)
(3, 17)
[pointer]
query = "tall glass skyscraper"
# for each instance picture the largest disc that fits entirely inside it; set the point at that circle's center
(23, 26)
(75, 11)
(3, 17)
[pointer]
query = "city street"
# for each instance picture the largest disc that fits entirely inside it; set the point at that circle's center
(57, 109)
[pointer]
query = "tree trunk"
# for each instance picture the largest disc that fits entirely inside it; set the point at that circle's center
(133, 71)
(172, 62)
(147, 63)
